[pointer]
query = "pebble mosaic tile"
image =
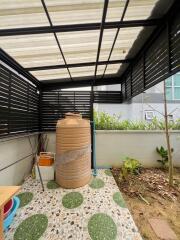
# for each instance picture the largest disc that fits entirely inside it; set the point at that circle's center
(96, 209)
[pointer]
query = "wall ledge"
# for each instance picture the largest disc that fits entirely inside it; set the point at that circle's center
(134, 131)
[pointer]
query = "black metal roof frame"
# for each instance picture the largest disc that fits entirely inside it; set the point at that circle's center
(104, 79)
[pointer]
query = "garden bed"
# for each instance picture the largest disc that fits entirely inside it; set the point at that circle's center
(148, 195)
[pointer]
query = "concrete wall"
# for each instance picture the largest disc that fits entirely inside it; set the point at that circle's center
(11, 150)
(113, 146)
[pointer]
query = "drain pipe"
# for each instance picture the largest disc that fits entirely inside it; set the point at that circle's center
(94, 149)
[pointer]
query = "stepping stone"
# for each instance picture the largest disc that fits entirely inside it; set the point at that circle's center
(162, 229)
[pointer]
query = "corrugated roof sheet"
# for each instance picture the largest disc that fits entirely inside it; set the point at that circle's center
(78, 46)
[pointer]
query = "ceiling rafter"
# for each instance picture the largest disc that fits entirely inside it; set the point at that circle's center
(78, 27)
(105, 8)
(74, 65)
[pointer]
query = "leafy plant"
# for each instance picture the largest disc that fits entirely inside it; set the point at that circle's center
(164, 155)
(105, 121)
(130, 166)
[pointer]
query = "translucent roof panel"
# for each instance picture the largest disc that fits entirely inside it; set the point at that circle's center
(82, 71)
(124, 42)
(33, 50)
(21, 13)
(115, 10)
(107, 41)
(40, 50)
(139, 9)
(79, 47)
(111, 69)
(51, 74)
(65, 12)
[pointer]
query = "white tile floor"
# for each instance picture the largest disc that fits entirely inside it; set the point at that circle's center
(72, 224)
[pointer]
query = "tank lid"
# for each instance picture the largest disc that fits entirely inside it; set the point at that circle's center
(73, 120)
(73, 115)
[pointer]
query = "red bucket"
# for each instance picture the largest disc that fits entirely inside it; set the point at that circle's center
(7, 207)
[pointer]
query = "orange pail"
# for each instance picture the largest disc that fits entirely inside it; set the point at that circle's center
(46, 159)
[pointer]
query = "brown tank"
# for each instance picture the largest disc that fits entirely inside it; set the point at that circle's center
(73, 155)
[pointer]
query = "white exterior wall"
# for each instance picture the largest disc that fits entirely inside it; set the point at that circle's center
(11, 150)
(113, 146)
(136, 111)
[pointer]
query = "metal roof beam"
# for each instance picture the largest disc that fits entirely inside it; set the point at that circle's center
(78, 27)
(75, 65)
(106, 2)
(117, 33)
(80, 83)
(55, 35)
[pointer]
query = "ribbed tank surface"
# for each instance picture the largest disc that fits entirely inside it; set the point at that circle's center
(73, 154)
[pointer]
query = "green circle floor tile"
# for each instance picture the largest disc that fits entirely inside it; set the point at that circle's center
(108, 172)
(52, 185)
(72, 200)
(117, 197)
(25, 198)
(102, 227)
(32, 228)
(96, 183)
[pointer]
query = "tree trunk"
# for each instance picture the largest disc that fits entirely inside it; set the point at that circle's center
(168, 139)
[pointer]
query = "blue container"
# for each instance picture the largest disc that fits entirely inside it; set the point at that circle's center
(9, 219)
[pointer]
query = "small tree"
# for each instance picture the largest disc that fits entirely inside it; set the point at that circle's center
(168, 138)
(169, 149)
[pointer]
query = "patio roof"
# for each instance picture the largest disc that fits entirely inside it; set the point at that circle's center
(69, 41)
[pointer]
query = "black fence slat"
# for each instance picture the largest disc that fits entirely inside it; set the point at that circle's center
(19, 104)
(55, 104)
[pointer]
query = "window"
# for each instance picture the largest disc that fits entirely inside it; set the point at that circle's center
(173, 87)
(149, 115)
(170, 118)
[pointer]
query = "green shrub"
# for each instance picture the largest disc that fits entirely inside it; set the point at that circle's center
(130, 166)
(164, 155)
(105, 121)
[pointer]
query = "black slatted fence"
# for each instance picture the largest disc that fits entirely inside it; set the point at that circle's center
(159, 59)
(19, 104)
(108, 97)
(54, 104)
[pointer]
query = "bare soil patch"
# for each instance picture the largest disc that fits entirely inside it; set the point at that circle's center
(148, 195)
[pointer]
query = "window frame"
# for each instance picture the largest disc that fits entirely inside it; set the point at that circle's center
(172, 87)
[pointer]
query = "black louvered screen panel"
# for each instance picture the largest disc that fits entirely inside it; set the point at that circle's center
(108, 97)
(55, 104)
(33, 111)
(123, 90)
(175, 43)
(128, 86)
(19, 104)
(4, 101)
(137, 77)
(157, 61)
